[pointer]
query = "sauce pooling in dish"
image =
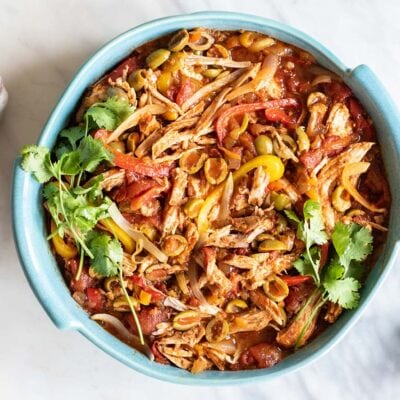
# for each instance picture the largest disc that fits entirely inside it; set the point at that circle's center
(218, 200)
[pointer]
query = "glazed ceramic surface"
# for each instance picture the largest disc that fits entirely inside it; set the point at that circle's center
(28, 222)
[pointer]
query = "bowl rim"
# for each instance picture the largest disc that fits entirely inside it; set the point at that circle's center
(70, 316)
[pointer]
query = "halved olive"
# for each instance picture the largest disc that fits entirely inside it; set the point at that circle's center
(173, 245)
(192, 161)
(175, 62)
(157, 58)
(272, 245)
(215, 170)
(117, 92)
(217, 329)
(235, 306)
(121, 303)
(212, 73)
(281, 201)
(246, 39)
(111, 283)
(276, 288)
(186, 320)
(137, 79)
(179, 40)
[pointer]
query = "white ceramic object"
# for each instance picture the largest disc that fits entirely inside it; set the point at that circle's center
(3, 96)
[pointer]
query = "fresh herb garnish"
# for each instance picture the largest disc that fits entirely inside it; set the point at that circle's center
(311, 232)
(107, 253)
(108, 114)
(339, 279)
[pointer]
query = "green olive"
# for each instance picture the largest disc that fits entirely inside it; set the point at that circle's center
(263, 145)
(122, 304)
(281, 201)
(212, 73)
(272, 245)
(276, 288)
(157, 58)
(179, 40)
(117, 92)
(137, 79)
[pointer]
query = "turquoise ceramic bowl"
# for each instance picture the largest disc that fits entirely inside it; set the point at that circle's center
(29, 229)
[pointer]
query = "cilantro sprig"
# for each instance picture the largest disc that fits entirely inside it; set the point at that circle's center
(311, 232)
(76, 209)
(339, 279)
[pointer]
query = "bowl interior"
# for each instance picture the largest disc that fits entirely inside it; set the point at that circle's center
(29, 230)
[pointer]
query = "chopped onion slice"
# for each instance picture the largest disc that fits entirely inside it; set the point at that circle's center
(174, 303)
(321, 79)
(205, 306)
(357, 169)
(124, 333)
(135, 235)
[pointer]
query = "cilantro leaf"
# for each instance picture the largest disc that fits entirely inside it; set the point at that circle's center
(343, 292)
(36, 159)
(110, 113)
(92, 153)
(69, 164)
(102, 117)
(312, 230)
(304, 264)
(120, 107)
(292, 216)
(107, 253)
(68, 139)
(351, 242)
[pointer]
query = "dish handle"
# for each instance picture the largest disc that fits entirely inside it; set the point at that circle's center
(378, 103)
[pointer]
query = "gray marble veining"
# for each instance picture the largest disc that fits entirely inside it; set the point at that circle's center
(41, 46)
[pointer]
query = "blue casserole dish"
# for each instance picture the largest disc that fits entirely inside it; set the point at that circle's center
(40, 266)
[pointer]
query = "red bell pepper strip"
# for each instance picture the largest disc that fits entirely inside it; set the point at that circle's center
(95, 299)
(140, 166)
(222, 121)
(296, 280)
(278, 115)
(186, 90)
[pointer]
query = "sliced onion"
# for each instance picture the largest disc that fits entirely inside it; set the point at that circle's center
(226, 198)
(263, 77)
(321, 79)
(174, 303)
(135, 235)
(205, 306)
(222, 62)
(357, 169)
(212, 87)
(124, 333)
(226, 346)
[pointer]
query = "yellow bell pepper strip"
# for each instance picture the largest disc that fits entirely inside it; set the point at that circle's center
(63, 249)
(122, 236)
(357, 169)
(223, 119)
(273, 166)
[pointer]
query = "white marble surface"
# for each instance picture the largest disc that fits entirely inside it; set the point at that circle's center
(41, 46)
